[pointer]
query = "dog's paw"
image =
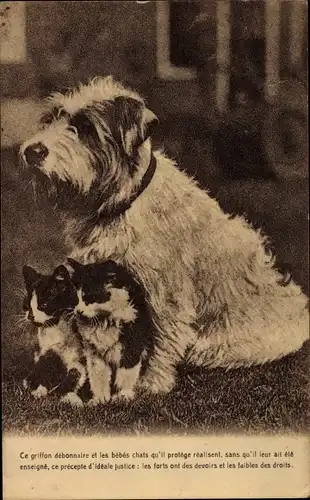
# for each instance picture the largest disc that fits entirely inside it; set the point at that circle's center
(95, 401)
(123, 395)
(40, 392)
(72, 399)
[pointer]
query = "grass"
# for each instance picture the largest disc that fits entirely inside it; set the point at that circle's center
(263, 399)
(272, 398)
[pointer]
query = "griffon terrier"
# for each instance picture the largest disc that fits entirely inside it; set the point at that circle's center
(213, 289)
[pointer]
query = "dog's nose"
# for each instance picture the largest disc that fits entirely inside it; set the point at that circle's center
(35, 154)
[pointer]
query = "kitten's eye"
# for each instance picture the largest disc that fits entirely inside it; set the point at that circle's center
(89, 298)
(99, 297)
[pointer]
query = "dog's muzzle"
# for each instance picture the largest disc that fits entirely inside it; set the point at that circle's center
(35, 154)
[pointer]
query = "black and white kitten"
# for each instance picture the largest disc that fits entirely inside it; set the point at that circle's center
(114, 322)
(49, 303)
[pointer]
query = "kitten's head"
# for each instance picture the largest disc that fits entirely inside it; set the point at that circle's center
(48, 297)
(104, 293)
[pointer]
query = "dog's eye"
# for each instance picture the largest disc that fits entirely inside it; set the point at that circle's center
(73, 129)
(62, 113)
(48, 117)
(52, 115)
(46, 120)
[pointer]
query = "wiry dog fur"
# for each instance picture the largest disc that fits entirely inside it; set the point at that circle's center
(213, 288)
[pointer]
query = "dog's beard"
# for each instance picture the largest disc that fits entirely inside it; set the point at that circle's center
(64, 195)
(41, 185)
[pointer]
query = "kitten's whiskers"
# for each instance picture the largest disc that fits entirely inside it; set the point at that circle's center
(20, 292)
(53, 388)
(20, 320)
(68, 315)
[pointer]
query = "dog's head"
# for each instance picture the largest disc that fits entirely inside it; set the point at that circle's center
(93, 142)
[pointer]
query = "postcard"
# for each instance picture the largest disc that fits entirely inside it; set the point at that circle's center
(155, 319)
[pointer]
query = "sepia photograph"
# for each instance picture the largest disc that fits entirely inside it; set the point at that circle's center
(154, 187)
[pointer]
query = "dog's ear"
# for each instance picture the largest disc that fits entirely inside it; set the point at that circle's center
(75, 265)
(134, 121)
(31, 276)
(149, 122)
(61, 273)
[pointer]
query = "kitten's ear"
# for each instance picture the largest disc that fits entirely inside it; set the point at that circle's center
(74, 264)
(61, 273)
(31, 276)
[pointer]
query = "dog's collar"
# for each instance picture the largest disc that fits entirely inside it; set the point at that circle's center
(123, 207)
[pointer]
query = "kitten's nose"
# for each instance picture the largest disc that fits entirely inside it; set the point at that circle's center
(81, 318)
(35, 154)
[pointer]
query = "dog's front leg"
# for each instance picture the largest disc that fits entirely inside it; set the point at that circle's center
(169, 350)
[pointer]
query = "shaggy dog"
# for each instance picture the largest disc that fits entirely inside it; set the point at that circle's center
(215, 294)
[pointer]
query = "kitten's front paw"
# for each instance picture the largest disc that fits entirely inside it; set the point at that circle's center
(93, 402)
(25, 384)
(114, 354)
(40, 392)
(72, 399)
